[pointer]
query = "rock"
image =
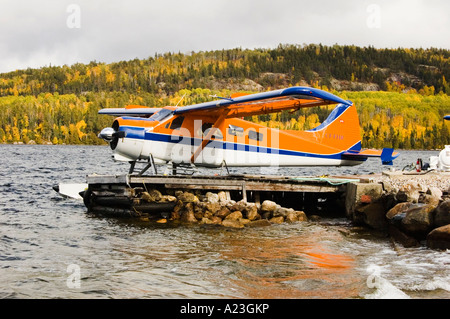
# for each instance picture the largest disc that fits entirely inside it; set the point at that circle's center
(281, 211)
(409, 192)
(277, 220)
(187, 197)
(434, 191)
(372, 215)
(258, 223)
(244, 221)
(152, 196)
(402, 238)
(301, 216)
(429, 199)
(291, 217)
(269, 206)
(252, 213)
(439, 238)
(234, 216)
(442, 214)
(216, 220)
(175, 215)
(232, 223)
(418, 220)
(222, 197)
(212, 197)
(223, 212)
(167, 198)
(398, 209)
(239, 206)
(206, 221)
(187, 214)
(315, 218)
(212, 207)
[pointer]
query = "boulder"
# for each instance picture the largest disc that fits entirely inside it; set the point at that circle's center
(429, 199)
(372, 215)
(301, 216)
(168, 198)
(186, 197)
(418, 220)
(277, 220)
(398, 209)
(281, 211)
(402, 238)
(187, 215)
(269, 206)
(410, 192)
(252, 213)
(212, 197)
(442, 214)
(439, 238)
(434, 191)
(223, 212)
(213, 208)
(222, 197)
(151, 196)
(232, 223)
(258, 223)
(291, 217)
(234, 216)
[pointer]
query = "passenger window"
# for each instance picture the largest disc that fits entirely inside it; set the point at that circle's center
(206, 127)
(253, 135)
(235, 130)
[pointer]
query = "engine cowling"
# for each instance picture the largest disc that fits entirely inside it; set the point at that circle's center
(126, 142)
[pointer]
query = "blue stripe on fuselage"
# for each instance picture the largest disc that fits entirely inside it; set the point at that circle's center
(139, 133)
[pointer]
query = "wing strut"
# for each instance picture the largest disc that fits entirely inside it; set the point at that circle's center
(207, 138)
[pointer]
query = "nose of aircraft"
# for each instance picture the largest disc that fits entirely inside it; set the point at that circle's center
(111, 136)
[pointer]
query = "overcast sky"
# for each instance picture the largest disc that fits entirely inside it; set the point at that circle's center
(36, 33)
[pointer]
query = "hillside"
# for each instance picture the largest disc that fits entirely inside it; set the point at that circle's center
(401, 94)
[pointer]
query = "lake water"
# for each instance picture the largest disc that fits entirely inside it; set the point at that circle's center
(50, 247)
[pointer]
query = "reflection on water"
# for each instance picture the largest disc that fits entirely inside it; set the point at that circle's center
(41, 235)
(298, 265)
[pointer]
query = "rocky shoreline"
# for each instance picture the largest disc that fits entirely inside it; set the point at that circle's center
(217, 209)
(413, 209)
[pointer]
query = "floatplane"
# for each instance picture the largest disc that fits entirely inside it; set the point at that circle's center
(214, 134)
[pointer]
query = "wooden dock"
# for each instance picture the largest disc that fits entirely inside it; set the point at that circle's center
(117, 194)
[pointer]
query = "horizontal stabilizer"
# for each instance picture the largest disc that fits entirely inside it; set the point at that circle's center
(386, 156)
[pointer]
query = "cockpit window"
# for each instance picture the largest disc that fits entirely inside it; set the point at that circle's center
(161, 115)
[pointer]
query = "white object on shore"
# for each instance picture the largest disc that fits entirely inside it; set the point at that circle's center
(444, 159)
(70, 190)
(434, 162)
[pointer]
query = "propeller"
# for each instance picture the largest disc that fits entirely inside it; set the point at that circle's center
(112, 135)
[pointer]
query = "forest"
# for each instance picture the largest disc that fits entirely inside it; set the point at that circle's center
(401, 94)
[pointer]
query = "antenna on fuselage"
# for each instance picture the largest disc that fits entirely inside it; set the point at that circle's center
(180, 100)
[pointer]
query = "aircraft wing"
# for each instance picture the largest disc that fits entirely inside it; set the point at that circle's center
(447, 117)
(263, 103)
(130, 110)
